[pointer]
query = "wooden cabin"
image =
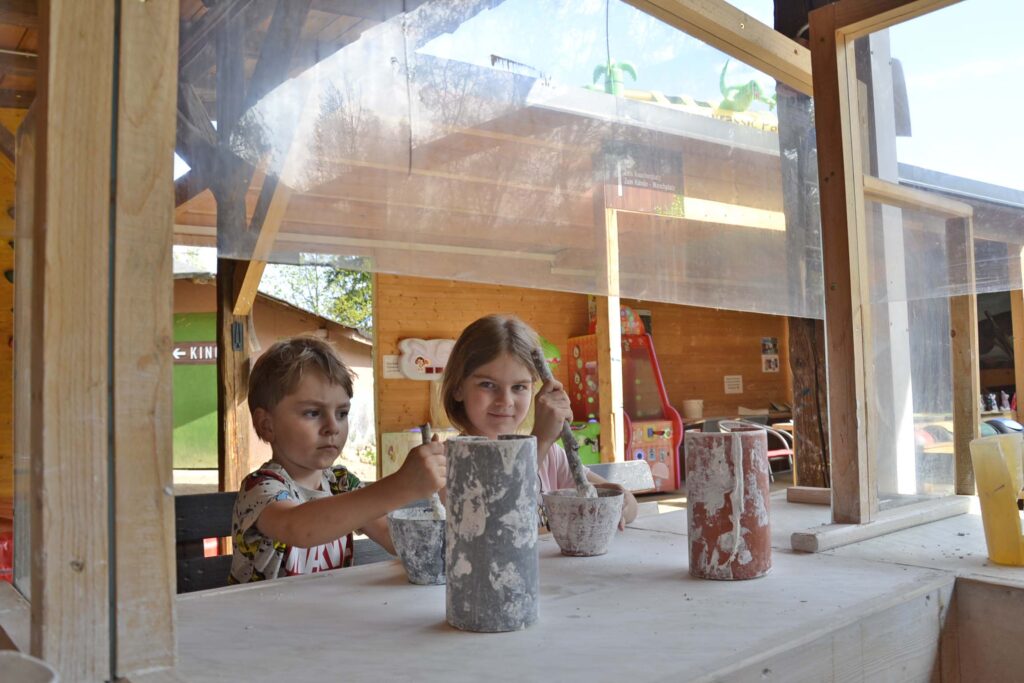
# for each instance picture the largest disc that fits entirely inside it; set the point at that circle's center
(469, 183)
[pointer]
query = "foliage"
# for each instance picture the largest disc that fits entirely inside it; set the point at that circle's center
(320, 286)
(367, 454)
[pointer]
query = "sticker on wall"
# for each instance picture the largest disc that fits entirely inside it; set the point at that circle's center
(424, 359)
(769, 354)
(734, 384)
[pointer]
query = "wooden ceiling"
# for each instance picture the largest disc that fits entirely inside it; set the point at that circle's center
(19, 44)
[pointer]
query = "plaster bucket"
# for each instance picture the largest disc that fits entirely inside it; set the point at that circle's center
(997, 474)
(419, 541)
(491, 564)
(583, 527)
(727, 488)
(18, 666)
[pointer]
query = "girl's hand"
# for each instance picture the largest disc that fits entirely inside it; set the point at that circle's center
(629, 507)
(551, 410)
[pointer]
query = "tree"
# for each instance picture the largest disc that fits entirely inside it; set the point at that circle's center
(321, 287)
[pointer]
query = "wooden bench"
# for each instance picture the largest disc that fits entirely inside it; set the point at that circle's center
(208, 515)
(632, 475)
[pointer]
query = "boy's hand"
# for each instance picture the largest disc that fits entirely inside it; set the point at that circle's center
(425, 469)
(551, 410)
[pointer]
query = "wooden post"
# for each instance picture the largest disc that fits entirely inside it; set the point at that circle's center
(142, 335)
(609, 341)
(854, 499)
(963, 329)
(230, 190)
(232, 389)
(23, 344)
(1017, 316)
(71, 341)
(810, 401)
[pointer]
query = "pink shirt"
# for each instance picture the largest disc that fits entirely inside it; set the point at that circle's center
(554, 471)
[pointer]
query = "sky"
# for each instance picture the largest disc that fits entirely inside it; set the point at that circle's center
(963, 65)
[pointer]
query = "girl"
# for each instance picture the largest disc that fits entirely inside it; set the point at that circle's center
(487, 390)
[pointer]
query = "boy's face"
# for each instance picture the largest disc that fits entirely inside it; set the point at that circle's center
(307, 429)
(497, 396)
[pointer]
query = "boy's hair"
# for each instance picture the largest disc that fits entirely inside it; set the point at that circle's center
(479, 344)
(279, 370)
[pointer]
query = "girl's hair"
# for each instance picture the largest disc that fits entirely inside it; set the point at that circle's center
(479, 344)
(279, 370)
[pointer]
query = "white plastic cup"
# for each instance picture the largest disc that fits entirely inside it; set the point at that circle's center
(693, 409)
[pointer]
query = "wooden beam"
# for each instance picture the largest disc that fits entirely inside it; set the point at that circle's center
(609, 338)
(19, 64)
(24, 269)
(196, 37)
(278, 47)
(893, 194)
(232, 338)
(143, 315)
(71, 488)
(7, 146)
(856, 18)
(232, 389)
(16, 99)
(24, 13)
(1017, 317)
(853, 499)
(272, 215)
(739, 35)
(963, 324)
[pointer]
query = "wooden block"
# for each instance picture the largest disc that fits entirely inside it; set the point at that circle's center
(811, 495)
(830, 536)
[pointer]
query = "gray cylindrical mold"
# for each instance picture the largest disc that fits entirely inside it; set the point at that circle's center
(419, 541)
(491, 561)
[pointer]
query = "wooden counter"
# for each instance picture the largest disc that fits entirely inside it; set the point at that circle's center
(633, 614)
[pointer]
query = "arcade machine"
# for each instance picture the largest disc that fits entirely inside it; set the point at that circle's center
(653, 428)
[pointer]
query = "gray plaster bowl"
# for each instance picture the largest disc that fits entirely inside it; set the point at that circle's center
(583, 527)
(419, 541)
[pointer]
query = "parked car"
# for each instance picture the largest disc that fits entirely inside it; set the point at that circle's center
(1005, 425)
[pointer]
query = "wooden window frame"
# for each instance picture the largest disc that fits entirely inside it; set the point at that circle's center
(844, 189)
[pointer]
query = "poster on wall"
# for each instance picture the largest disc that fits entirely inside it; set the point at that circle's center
(769, 354)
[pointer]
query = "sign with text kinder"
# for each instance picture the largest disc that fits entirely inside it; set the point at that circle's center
(194, 353)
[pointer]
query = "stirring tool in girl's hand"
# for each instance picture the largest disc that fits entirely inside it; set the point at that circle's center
(572, 449)
(435, 500)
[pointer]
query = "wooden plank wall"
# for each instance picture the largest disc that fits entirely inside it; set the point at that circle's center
(9, 119)
(697, 347)
(434, 309)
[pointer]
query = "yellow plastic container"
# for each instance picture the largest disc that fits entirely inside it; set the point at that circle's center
(998, 474)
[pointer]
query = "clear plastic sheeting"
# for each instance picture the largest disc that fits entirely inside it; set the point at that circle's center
(908, 372)
(950, 226)
(552, 144)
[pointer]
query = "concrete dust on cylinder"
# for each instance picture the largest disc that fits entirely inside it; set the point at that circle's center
(491, 562)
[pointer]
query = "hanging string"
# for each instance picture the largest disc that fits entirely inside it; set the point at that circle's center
(408, 79)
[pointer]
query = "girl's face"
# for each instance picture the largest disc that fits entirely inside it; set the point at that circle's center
(497, 396)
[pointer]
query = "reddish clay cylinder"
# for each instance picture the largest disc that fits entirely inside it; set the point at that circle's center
(727, 491)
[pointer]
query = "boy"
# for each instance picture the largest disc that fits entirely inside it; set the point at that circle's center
(289, 517)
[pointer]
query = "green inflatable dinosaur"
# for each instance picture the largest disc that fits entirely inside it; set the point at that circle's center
(740, 97)
(612, 73)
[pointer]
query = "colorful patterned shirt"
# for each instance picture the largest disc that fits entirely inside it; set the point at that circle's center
(258, 557)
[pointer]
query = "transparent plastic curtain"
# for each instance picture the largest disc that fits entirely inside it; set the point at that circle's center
(484, 141)
(926, 132)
